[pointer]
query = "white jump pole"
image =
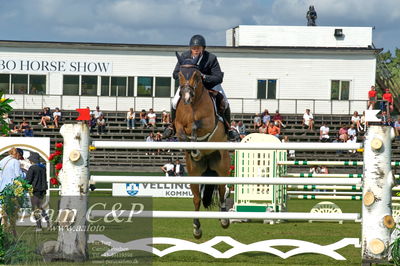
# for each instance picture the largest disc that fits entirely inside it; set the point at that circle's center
(377, 194)
(345, 163)
(223, 180)
(309, 146)
(226, 215)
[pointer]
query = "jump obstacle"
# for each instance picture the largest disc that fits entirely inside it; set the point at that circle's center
(377, 218)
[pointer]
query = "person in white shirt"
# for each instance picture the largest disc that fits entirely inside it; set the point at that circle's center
(152, 118)
(324, 133)
(97, 113)
(130, 119)
(168, 168)
(352, 139)
(56, 117)
(356, 121)
(352, 131)
(308, 120)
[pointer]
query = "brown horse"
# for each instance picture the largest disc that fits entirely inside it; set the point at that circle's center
(196, 120)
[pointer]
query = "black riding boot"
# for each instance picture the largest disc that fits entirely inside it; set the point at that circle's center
(233, 135)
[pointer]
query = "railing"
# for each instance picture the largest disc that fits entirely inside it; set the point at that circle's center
(238, 105)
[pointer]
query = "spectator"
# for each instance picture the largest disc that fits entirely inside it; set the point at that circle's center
(166, 117)
(152, 118)
(45, 117)
(292, 153)
(143, 118)
(384, 117)
(158, 137)
(387, 100)
(324, 133)
(97, 113)
(257, 121)
(36, 176)
(323, 170)
(168, 133)
(363, 123)
(263, 129)
(355, 120)
(234, 126)
(390, 122)
(352, 139)
(9, 123)
(130, 119)
(92, 123)
(343, 137)
(10, 167)
(352, 131)
(372, 98)
(274, 130)
(242, 129)
(56, 117)
(150, 137)
(24, 128)
(101, 125)
(308, 120)
(168, 168)
(277, 118)
(397, 126)
(179, 169)
(266, 117)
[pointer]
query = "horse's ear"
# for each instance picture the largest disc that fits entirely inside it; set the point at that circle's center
(182, 78)
(195, 78)
(180, 59)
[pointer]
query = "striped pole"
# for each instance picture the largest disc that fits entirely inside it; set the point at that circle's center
(324, 175)
(305, 187)
(330, 193)
(310, 197)
(346, 163)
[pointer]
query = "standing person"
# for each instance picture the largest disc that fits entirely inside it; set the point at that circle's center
(101, 125)
(211, 75)
(179, 169)
(372, 98)
(130, 119)
(308, 120)
(168, 168)
(10, 167)
(324, 133)
(36, 176)
(387, 98)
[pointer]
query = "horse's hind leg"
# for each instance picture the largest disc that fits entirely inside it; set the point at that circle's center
(197, 232)
(222, 199)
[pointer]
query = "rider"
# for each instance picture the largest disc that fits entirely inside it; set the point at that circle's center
(212, 78)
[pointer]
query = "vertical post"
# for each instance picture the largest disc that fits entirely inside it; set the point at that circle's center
(378, 181)
(71, 244)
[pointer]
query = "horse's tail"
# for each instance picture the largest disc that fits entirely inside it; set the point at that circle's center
(208, 190)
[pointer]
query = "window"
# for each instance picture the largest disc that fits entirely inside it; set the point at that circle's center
(19, 83)
(89, 85)
(176, 85)
(131, 86)
(37, 84)
(145, 87)
(4, 83)
(163, 87)
(71, 85)
(105, 86)
(118, 86)
(266, 89)
(340, 89)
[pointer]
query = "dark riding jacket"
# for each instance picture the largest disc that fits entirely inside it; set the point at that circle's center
(208, 66)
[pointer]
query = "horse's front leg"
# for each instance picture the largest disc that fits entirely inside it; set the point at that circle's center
(222, 201)
(197, 232)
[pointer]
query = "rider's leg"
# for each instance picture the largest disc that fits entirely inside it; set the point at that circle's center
(174, 103)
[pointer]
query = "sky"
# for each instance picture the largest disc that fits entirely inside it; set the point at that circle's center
(175, 21)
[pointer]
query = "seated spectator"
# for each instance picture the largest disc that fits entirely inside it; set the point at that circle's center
(45, 117)
(158, 137)
(384, 117)
(92, 123)
(56, 117)
(363, 123)
(101, 125)
(390, 122)
(277, 119)
(308, 120)
(355, 119)
(166, 117)
(234, 126)
(9, 123)
(323, 169)
(97, 113)
(150, 137)
(397, 126)
(343, 137)
(242, 129)
(372, 98)
(263, 129)
(130, 119)
(256, 121)
(152, 118)
(143, 118)
(25, 128)
(352, 131)
(352, 139)
(292, 153)
(274, 130)
(324, 133)
(266, 117)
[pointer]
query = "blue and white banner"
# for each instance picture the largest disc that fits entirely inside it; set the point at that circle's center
(152, 190)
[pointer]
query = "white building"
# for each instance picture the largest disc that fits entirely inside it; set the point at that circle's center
(326, 69)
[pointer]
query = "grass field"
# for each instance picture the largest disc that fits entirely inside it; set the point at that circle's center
(318, 232)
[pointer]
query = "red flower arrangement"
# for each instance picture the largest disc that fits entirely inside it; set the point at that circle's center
(56, 159)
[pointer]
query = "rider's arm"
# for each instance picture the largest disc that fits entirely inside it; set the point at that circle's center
(216, 75)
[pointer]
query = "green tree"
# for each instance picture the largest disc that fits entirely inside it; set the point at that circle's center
(5, 108)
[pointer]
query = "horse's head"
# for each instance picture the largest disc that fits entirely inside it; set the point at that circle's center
(190, 81)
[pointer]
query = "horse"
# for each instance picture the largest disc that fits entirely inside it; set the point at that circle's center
(196, 120)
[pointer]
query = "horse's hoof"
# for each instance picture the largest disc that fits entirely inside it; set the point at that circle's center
(197, 233)
(225, 223)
